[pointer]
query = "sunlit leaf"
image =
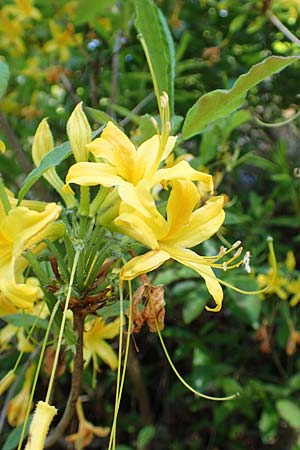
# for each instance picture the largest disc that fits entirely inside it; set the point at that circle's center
(221, 102)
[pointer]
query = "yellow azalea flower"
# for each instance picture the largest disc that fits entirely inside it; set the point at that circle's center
(22, 229)
(124, 163)
(185, 227)
(86, 430)
(294, 288)
(23, 10)
(94, 345)
(63, 39)
(17, 406)
(277, 287)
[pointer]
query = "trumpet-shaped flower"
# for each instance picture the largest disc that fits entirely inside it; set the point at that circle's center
(184, 227)
(22, 229)
(94, 342)
(17, 406)
(124, 164)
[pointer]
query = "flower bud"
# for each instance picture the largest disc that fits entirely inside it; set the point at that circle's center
(79, 133)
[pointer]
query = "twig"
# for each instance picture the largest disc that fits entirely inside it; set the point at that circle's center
(115, 72)
(137, 108)
(76, 382)
(278, 24)
(69, 88)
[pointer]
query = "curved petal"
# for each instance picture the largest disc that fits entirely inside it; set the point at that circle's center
(114, 146)
(204, 222)
(148, 158)
(184, 193)
(132, 225)
(199, 264)
(92, 174)
(184, 171)
(111, 330)
(143, 264)
(107, 354)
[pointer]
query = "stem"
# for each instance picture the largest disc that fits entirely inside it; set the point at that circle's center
(278, 24)
(115, 72)
(150, 65)
(76, 382)
(84, 200)
(61, 331)
(37, 372)
(3, 197)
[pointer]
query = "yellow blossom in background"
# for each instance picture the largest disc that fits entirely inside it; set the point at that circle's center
(86, 430)
(22, 229)
(172, 237)
(125, 164)
(24, 10)
(18, 405)
(2, 147)
(278, 287)
(62, 40)
(94, 342)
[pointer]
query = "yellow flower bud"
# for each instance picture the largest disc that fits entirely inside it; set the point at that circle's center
(6, 381)
(42, 142)
(39, 427)
(79, 133)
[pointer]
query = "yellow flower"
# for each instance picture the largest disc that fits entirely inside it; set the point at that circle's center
(17, 407)
(277, 287)
(63, 39)
(22, 229)
(86, 430)
(185, 227)
(94, 345)
(127, 165)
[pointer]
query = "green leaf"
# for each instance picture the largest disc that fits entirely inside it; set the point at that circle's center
(194, 304)
(13, 438)
(145, 436)
(25, 320)
(221, 102)
(51, 159)
(99, 116)
(289, 411)
(152, 25)
(4, 76)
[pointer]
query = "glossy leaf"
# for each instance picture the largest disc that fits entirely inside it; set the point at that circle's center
(221, 102)
(152, 25)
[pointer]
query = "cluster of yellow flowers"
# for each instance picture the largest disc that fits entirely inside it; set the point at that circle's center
(119, 186)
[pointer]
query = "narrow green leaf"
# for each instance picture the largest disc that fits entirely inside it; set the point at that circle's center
(289, 411)
(25, 320)
(4, 76)
(220, 103)
(51, 159)
(99, 116)
(13, 438)
(152, 25)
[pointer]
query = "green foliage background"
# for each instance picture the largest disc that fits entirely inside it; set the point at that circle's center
(81, 50)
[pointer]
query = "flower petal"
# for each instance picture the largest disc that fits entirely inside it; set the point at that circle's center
(204, 222)
(183, 193)
(92, 174)
(143, 264)
(199, 264)
(184, 171)
(114, 146)
(107, 354)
